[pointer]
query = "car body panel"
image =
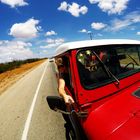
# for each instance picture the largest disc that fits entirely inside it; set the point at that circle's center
(115, 118)
(85, 96)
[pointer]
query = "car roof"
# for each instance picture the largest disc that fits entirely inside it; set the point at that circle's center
(91, 43)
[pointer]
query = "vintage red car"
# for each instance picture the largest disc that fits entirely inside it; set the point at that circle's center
(104, 81)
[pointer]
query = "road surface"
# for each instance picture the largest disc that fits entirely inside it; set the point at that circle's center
(24, 112)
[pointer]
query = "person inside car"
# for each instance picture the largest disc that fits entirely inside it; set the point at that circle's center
(63, 81)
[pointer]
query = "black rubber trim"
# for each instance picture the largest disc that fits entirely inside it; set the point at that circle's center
(136, 93)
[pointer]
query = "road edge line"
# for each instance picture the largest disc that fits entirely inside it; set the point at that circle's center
(28, 120)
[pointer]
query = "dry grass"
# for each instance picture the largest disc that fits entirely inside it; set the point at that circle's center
(10, 77)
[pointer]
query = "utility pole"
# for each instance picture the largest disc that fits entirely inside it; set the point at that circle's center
(90, 35)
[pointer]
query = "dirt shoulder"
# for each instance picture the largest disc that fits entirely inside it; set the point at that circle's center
(10, 77)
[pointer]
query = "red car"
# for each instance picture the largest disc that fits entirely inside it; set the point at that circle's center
(104, 81)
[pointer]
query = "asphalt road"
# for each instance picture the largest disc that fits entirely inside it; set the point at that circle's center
(24, 112)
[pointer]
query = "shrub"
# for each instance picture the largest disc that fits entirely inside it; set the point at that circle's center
(15, 64)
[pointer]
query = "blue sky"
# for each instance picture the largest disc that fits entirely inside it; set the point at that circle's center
(34, 28)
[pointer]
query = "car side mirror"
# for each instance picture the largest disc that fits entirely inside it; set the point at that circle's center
(56, 102)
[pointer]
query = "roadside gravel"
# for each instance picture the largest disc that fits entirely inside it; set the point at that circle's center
(10, 77)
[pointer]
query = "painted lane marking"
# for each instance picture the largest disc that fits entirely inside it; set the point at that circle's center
(28, 121)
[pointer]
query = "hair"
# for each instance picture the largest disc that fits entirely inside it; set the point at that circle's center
(59, 61)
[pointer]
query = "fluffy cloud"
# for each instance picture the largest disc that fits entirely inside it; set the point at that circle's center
(130, 19)
(63, 6)
(55, 41)
(138, 33)
(50, 33)
(118, 24)
(52, 43)
(74, 9)
(98, 25)
(26, 30)
(111, 6)
(14, 3)
(14, 50)
(59, 41)
(84, 31)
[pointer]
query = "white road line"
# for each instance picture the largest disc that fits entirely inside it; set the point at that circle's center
(28, 121)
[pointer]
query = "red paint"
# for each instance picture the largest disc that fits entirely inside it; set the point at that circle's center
(114, 116)
(113, 112)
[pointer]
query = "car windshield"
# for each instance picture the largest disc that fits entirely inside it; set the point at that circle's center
(100, 65)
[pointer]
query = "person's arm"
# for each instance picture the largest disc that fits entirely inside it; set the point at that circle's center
(61, 88)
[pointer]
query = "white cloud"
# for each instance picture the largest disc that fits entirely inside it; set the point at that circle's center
(117, 24)
(50, 33)
(89, 32)
(74, 9)
(134, 17)
(98, 25)
(63, 6)
(52, 43)
(84, 31)
(45, 51)
(48, 46)
(138, 33)
(14, 3)
(128, 20)
(55, 41)
(111, 6)
(14, 50)
(26, 30)
(59, 41)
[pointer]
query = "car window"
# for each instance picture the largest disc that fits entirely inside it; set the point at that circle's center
(120, 60)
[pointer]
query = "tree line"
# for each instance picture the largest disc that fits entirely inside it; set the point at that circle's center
(15, 64)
